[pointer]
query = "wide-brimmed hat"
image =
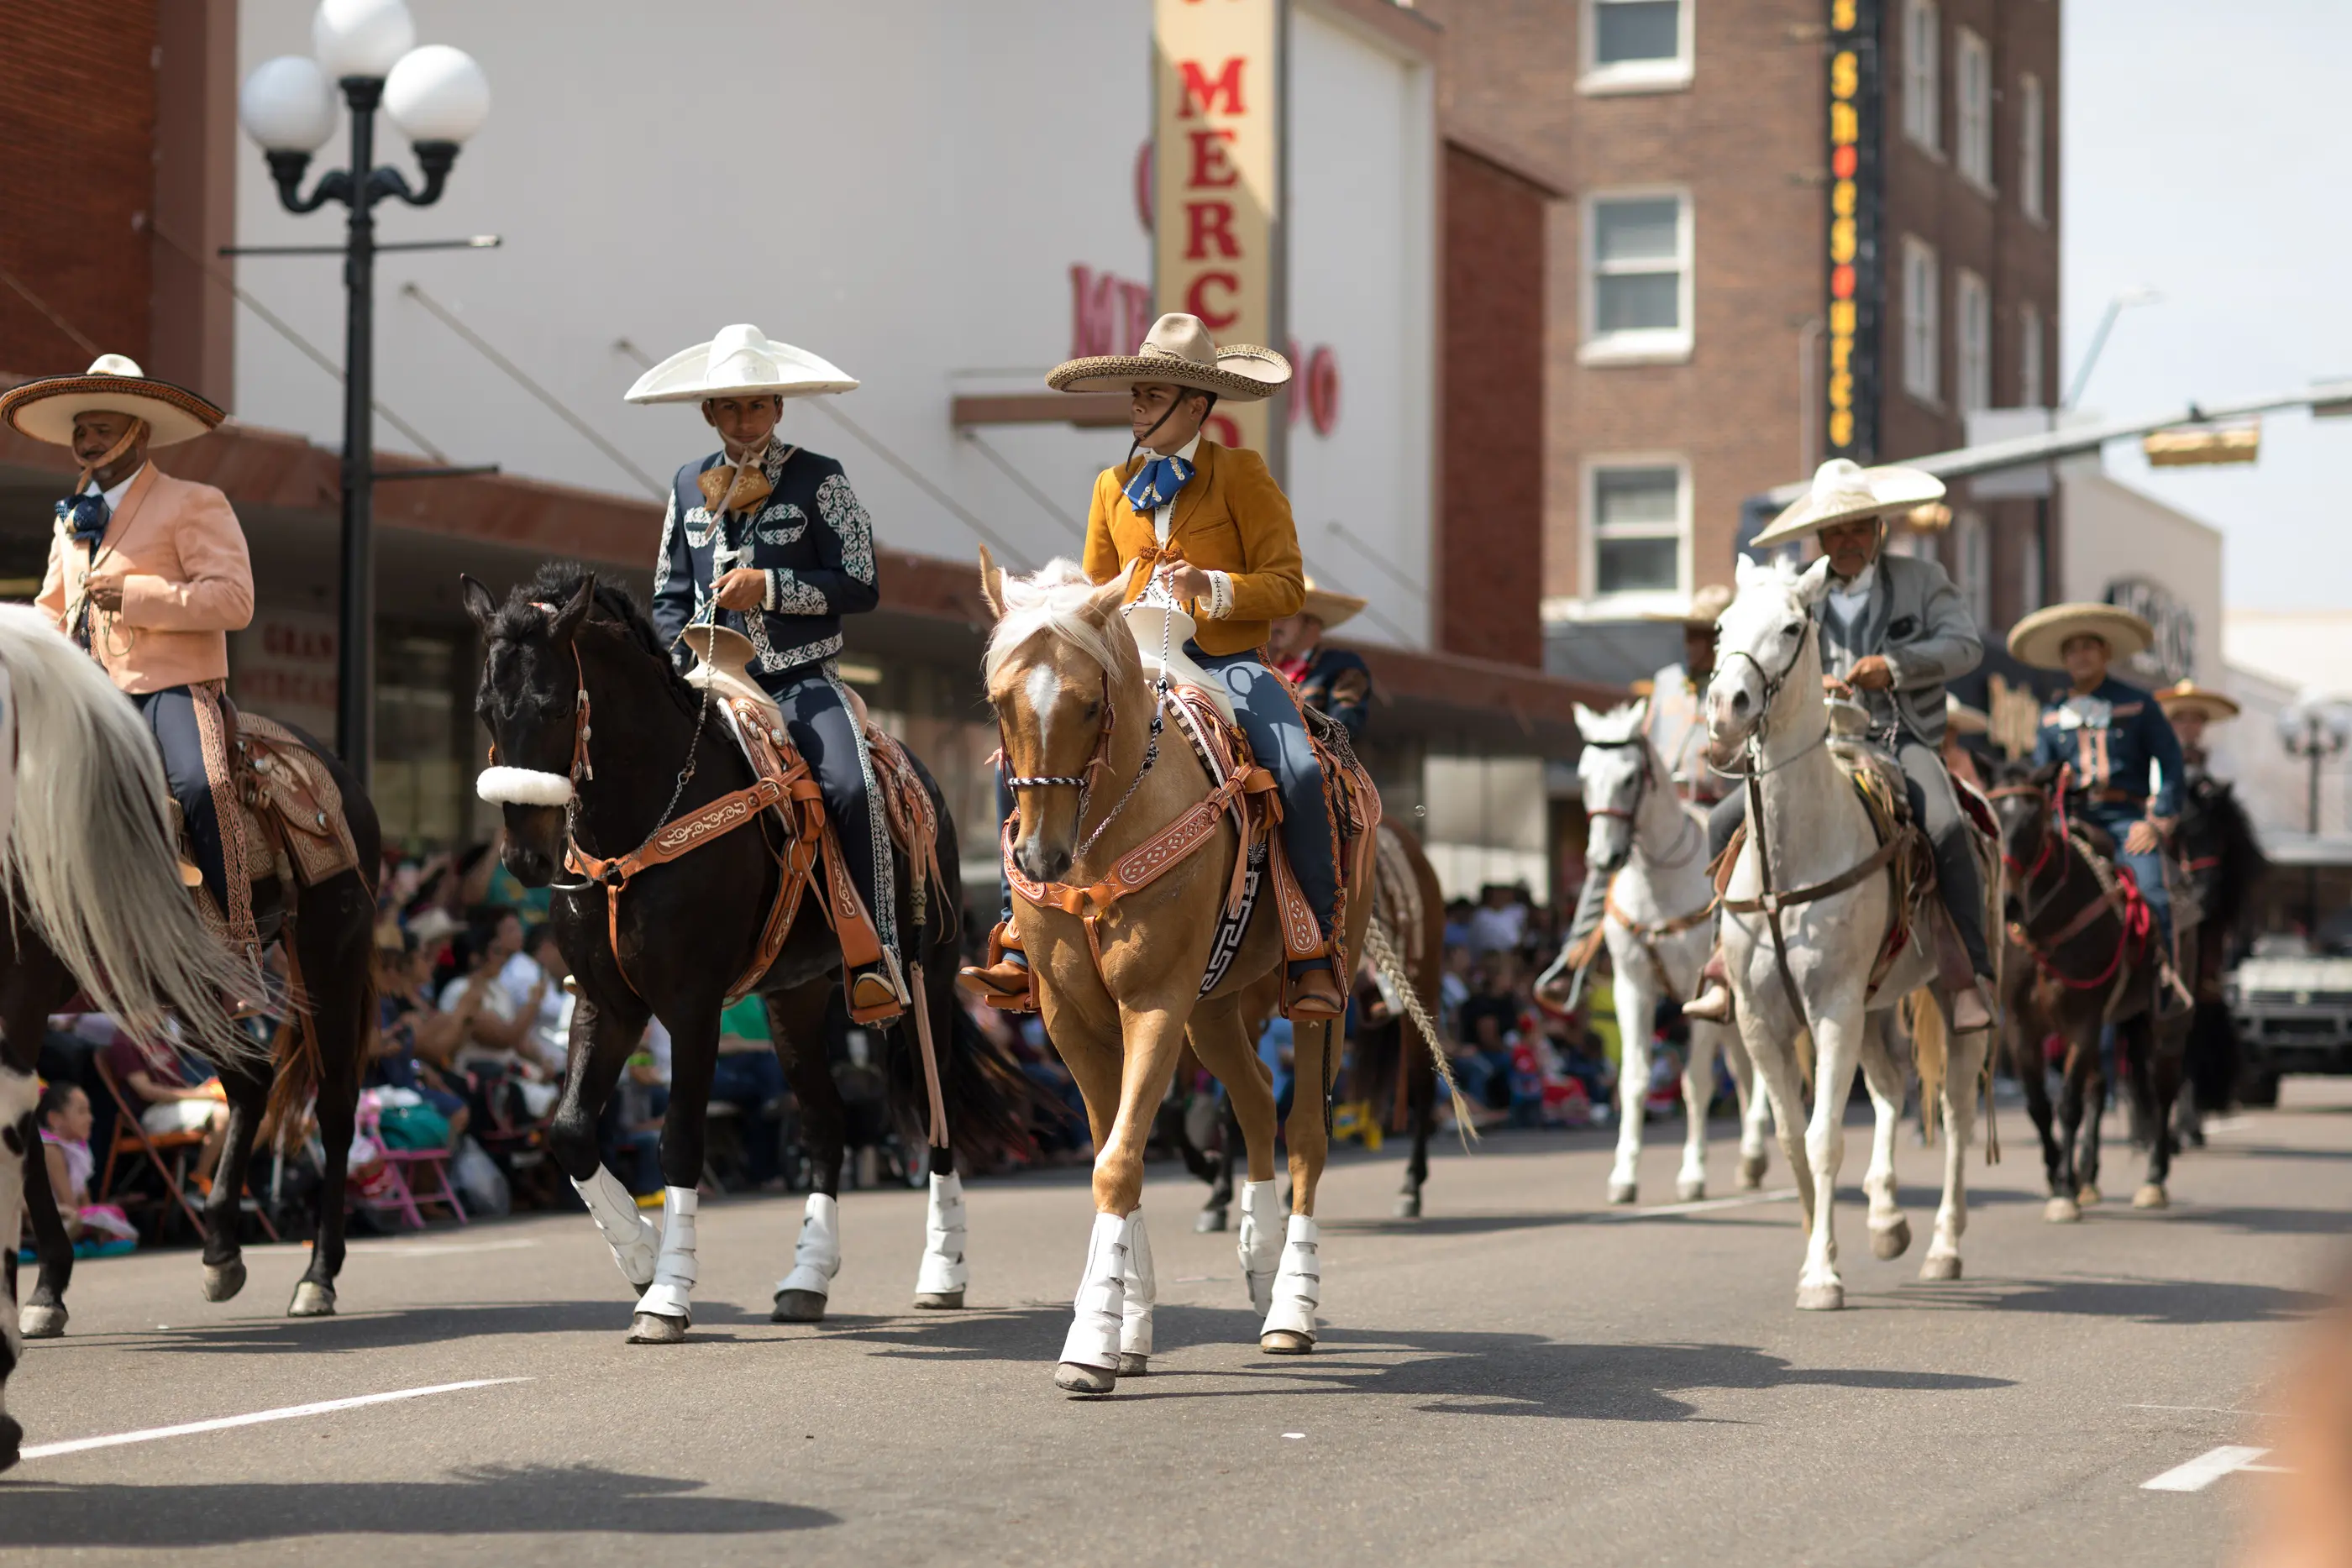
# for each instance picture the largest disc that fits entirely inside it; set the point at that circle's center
(2188, 696)
(1962, 719)
(1329, 607)
(1180, 351)
(1706, 608)
(1843, 492)
(2037, 639)
(45, 410)
(741, 361)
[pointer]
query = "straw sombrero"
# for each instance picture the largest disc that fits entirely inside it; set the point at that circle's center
(45, 410)
(741, 361)
(1329, 607)
(2188, 696)
(1180, 351)
(1707, 607)
(1843, 492)
(2036, 640)
(1962, 719)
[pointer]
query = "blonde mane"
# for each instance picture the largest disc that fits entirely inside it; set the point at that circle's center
(1055, 600)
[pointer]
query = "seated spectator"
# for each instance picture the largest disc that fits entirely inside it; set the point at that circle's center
(157, 1083)
(97, 1229)
(1489, 1020)
(495, 1042)
(748, 1076)
(414, 1042)
(1454, 988)
(539, 970)
(639, 1104)
(1458, 922)
(1499, 923)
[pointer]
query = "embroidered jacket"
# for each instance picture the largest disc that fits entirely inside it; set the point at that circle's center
(811, 537)
(1917, 621)
(2109, 738)
(1336, 681)
(177, 550)
(1229, 516)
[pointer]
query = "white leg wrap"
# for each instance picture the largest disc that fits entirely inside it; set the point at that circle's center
(943, 1267)
(817, 1256)
(1101, 1301)
(632, 1236)
(1260, 1240)
(671, 1293)
(1142, 1291)
(1298, 1288)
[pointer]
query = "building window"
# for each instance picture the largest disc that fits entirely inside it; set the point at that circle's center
(1637, 277)
(1640, 514)
(1636, 45)
(1922, 66)
(1972, 85)
(1972, 552)
(2029, 149)
(2029, 356)
(1975, 305)
(1922, 321)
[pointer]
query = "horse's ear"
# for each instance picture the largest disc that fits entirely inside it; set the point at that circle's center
(1815, 583)
(992, 584)
(567, 620)
(1745, 571)
(1103, 604)
(477, 602)
(1586, 720)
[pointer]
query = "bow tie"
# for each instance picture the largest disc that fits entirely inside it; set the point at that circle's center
(85, 517)
(1156, 483)
(734, 487)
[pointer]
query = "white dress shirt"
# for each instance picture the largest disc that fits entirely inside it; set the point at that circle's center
(1848, 598)
(1221, 584)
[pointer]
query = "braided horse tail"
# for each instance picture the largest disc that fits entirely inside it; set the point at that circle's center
(1381, 947)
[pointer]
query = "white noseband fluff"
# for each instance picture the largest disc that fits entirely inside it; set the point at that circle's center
(523, 787)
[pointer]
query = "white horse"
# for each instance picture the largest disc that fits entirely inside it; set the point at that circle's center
(1766, 698)
(1659, 923)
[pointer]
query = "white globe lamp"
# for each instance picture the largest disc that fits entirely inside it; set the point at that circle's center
(437, 95)
(362, 39)
(287, 105)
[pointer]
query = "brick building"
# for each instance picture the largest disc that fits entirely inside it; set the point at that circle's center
(1687, 346)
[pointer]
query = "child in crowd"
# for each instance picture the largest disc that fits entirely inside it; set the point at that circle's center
(99, 1230)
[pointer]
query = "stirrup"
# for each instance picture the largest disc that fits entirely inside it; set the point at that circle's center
(1001, 982)
(1713, 1003)
(877, 994)
(1322, 1003)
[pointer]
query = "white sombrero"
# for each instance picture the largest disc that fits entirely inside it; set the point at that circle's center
(1707, 607)
(2037, 639)
(1962, 719)
(741, 361)
(46, 410)
(1844, 492)
(2188, 696)
(1329, 607)
(1180, 351)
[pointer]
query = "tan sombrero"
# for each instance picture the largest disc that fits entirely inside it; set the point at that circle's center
(1961, 719)
(46, 410)
(1707, 607)
(1844, 492)
(741, 361)
(2037, 639)
(1329, 607)
(2188, 696)
(1180, 351)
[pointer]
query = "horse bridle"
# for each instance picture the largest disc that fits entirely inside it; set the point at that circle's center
(1083, 782)
(1643, 781)
(1774, 685)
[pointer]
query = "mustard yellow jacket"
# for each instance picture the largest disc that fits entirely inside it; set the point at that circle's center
(1231, 517)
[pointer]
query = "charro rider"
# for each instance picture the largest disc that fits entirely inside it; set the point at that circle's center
(2191, 707)
(1204, 528)
(1336, 681)
(1673, 721)
(150, 574)
(1892, 630)
(768, 539)
(2123, 761)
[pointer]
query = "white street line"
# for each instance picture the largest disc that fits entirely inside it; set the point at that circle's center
(439, 1248)
(2206, 1410)
(288, 1412)
(1703, 1205)
(2205, 1469)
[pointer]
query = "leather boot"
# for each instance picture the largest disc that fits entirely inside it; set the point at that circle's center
(1005, 981)
(876, 995)
(1968, 1008)
(1713, 1003)
(1314, 996)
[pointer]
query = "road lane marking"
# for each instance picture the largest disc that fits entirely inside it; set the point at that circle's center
(2206, 1468)
(1702, 1205)
(439, 1249)
(285, 1413)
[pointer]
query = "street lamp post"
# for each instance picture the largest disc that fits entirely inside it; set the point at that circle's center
(2314, 731)
(439, 98)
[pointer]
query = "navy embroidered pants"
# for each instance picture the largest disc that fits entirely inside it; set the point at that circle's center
(824, 731)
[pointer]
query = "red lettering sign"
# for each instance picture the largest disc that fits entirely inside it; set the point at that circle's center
(1201, 93)
(1207, 222)
(1212, 169)
(1323, 390)
(1196, 299)
(1109, 315)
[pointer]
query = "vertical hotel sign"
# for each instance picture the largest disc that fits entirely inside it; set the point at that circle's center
(1856, 272)
(1217, 94)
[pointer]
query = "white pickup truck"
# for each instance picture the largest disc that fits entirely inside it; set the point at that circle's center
(2292, 1004)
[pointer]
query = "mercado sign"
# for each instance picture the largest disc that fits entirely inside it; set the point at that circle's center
(1217, 225)
(2173, 655)
(1856, 274)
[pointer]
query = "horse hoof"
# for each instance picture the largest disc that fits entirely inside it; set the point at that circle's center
(1890, 1241)
(1286, 1342)
(41, 1322)
(311, 1300)
(1133, 1365)
(1211, 1218)
(12, 1437)
(1940, 1266)
(1407, 1206)
(798, 1307)
(2062, 1211)
(1820, 1298)
(1751, 1171)
(1690, 1191)
(938, 1300)
(654, 1328)
(1621, 1192)
(222, 1281)
(2087, 1193)
(1071, 1378)
(2151, 1196)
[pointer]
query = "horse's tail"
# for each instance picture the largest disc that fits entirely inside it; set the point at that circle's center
(1382, 949)
(89, 857)
(1931, 1053)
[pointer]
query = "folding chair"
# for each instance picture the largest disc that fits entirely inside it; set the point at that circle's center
(400, 1194)
(132, 1139)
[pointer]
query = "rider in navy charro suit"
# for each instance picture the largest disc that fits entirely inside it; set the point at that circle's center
(769, 540)
(1335, 681)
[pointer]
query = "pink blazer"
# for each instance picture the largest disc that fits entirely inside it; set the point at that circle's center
(187, 582)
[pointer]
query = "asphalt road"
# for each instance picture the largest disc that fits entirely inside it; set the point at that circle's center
(1520, 1376)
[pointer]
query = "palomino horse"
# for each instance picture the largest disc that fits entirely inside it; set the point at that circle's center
(92, 889)
(1659, 923)
(2092, 958)
(1807, 885)
(1119, 965)
(690, 928)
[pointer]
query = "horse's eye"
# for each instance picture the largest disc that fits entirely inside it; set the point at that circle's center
(1094, 711)
(1792, 629)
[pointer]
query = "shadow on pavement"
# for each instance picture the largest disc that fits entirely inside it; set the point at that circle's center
(398, 1326)
(495, 1500)
(2178, 1301)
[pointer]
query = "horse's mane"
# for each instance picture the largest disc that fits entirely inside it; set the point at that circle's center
(556, 582)
(1055, 600)
(2243, 863)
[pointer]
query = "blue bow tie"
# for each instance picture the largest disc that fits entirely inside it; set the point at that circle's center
(87, 516)
(1156, 483)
